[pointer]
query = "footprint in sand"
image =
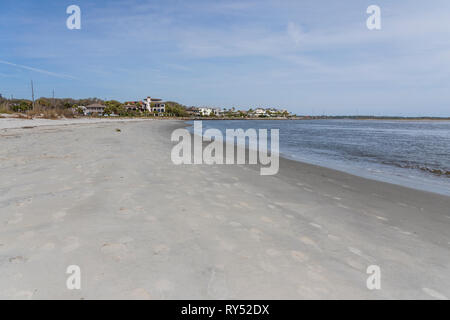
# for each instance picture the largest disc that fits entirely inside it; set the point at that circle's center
(140, 294)
(18, 217)
(299, 256)
(24, 202)
(244, 204)
(355, 251)
(59, 215)
(308, 241)
(333, 237)
(268, 267)
(72, 243)
(163, 286)
(126, 240)
(217, 284)
(160, 249)
(355, 264)
(402, 204)
(273, 252)
(255, 234)
(266, 219)
(225, 245)
(235, 224)
(315, 225)
(27, 235)
(48, 246)
(24, 295)
(18, 259)
(434, 294)
(315, 273)
(401, 231)
(115, 250)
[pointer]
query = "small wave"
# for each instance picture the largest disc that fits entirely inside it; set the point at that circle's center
(434, 171)
(437, 172)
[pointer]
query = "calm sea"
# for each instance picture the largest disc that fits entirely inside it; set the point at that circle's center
(410, 153)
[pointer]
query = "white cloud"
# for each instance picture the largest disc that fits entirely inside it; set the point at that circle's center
(49, 73)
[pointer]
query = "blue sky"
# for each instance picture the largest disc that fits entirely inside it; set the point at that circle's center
(311, 57)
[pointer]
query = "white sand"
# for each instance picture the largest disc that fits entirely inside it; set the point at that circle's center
(140, 227)
(11, 123)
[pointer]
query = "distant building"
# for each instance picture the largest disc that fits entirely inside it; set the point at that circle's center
(204, 111)
(154, 105)
(260, 112)
(193, 111)
(132, 107)
(94, 108)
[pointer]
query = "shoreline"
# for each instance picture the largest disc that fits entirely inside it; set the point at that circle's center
(398, 181)
(20, 123)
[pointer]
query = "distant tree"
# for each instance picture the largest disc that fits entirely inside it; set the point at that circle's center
(78, 110)
(43, 102)
(108, 111)
(176, 109)
(113, 103)
(22, 106)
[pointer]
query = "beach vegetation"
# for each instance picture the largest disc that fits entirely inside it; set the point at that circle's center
(176, 109)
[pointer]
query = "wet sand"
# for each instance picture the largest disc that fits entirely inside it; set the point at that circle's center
(140, 227)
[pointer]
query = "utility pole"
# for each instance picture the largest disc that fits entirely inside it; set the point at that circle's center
(32, 93)
(53, 98)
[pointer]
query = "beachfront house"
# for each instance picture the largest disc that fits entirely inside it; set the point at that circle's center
(260, 112)
(154, 105)
(132, 107)
(94, 108)
(204, 111)
(193, 111)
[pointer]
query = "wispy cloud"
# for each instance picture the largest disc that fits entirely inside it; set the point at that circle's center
(49, 73)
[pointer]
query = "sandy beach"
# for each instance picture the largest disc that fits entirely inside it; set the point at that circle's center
(141, 227)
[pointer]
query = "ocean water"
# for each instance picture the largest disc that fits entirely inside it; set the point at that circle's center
(415, 154)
